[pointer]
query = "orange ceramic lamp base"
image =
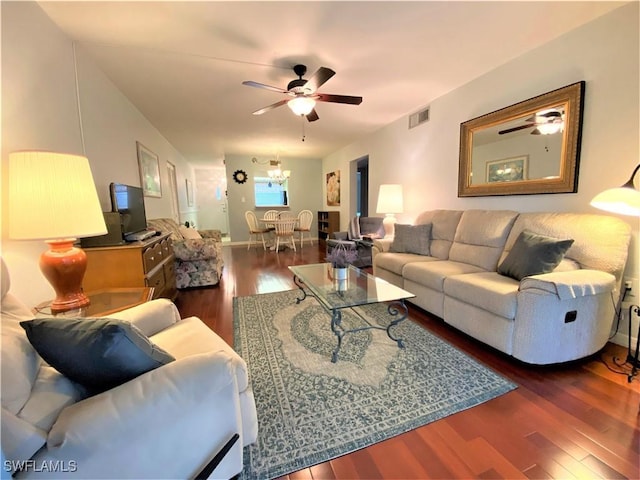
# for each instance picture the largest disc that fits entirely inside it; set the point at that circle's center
(64, 266)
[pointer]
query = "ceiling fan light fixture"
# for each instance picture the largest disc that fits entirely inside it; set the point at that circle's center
(301, 105)
(550, 128)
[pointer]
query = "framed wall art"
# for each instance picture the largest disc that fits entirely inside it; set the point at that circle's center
(149, 171)
(512, 169)
(333, 189)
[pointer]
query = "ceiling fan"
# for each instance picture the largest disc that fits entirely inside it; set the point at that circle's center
(304, 93)
(546, 122)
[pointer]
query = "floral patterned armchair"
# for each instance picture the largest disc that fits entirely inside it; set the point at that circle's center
(198, 253)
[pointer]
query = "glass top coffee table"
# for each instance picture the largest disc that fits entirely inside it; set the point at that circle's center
(358, 288)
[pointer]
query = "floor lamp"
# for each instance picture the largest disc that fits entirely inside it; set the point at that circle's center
(52, 197)
(624, 200)
(389, 202)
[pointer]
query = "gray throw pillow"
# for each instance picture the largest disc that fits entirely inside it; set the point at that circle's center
(533, 254)
(98, 353)
(412, 239)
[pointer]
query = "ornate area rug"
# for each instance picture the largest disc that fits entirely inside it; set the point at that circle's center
(311, 410)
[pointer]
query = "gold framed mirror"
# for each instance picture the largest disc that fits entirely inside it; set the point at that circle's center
(528, 148)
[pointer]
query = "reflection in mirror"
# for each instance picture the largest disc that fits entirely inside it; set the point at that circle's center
(530, 147)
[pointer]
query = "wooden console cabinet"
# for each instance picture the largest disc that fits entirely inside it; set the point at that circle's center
(149, 263)
(328, 222)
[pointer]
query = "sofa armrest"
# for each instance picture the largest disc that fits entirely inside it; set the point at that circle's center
(563, 316)
(215, 234)
(167, 423)
(150, 317)
(571, 284)
(381, 245)
(196, 249)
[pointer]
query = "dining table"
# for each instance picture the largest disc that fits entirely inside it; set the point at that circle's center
(270, 223)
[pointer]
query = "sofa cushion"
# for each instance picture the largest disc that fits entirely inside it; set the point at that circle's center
(51, 392)
(395, 262)
(533, 254)
(481, 236)
(20, 365)
(433, 274)
(189, 233)
(412, 239)
(166, 225)
(99, 353)
(190, 336)
(20, 440)
(487, 290)
(444, 224)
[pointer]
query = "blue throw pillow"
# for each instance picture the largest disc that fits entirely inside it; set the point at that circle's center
(533, 254)
(98, 353)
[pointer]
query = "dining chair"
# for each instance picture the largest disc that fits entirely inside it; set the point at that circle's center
(270, 215)
(285, 231)
(286, 214)
(255, 229)
(305, 218)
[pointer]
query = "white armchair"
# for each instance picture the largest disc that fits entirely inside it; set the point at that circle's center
(167, 423)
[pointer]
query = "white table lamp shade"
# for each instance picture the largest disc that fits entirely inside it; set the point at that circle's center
(389, 203)
(390, 199)
(52, 195)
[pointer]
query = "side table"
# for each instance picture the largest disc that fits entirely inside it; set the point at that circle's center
(103, 302)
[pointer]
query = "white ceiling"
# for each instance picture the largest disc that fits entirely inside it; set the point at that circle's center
(183, 63)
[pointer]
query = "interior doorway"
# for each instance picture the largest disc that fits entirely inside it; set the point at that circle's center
(361, 186)
(211, 188)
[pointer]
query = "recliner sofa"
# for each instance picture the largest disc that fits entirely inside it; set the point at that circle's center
(548, 318)
(199, 261)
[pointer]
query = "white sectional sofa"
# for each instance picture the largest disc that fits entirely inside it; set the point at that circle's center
(547, 318)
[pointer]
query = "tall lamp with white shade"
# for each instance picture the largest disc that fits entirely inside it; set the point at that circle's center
(52, 197)
(389, 202)
(624, 200)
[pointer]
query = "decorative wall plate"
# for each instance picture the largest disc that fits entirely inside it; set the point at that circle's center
(240, 176)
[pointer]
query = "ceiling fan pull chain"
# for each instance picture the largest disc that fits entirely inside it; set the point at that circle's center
(303, 135)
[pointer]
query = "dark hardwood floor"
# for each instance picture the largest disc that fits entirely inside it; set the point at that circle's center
(571, 421)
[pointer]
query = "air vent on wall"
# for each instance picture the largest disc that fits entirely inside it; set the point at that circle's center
(417, 118)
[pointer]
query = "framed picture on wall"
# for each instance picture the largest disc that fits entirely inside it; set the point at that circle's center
(333, 189)
(189, 192)
(512, 169)
(149, 171)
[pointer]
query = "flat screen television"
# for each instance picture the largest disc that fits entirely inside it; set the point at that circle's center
(128, 201)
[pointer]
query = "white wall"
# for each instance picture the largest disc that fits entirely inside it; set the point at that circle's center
(424, 160)
(40, 111)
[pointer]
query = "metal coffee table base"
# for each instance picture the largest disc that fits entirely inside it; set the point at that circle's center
(396, 309)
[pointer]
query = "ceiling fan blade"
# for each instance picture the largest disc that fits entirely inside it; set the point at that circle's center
(326, 97)
(514, 129)
(313, 116)
(271, 107)
(249, 83)
(319, 78)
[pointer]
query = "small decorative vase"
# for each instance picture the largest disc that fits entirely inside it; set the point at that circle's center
(340, 273)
